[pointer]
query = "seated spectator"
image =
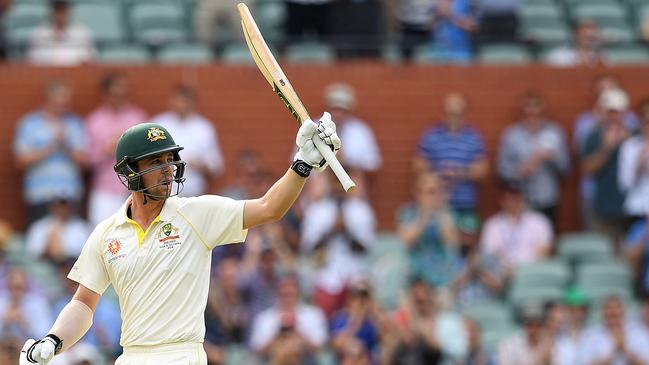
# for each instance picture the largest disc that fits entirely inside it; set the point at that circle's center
(600, 158)
(456, 152)
(337, 231)
(531, 346)
(105, 125)
(516, 235)
(356, 28)
(586, 50)
(50, 148)
(247, 175)
(427, 334)
(427, 229)
(454, 22)
(58, 236)
(59, 42)
(568, 345)
(477, 355)
(307, 19)
(210, 13)
(202, 151)
(498, 21)
(633, 173)
(616, 341)
(415, 24)
(290, 332)
(534, 152)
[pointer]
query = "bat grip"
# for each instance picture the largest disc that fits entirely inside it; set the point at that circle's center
(335, 165)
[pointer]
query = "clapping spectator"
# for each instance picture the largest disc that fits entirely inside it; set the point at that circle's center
(105, 125)
(454, 23)
(567, 350)
(534, 152)
(202, 151)
(633, 174)
(50, 146)
(60, 42)
(415, 23)
(584, 52)
(533, 345)
(477, 354)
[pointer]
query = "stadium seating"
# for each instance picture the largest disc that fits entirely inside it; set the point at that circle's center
(603, 279)
(236, 53)
(550, 273)
(389, 269)
(21, 20)
(124, 54)
(626, 55)
(104, 20)
(160, 22)
(311, 53)
(510, 54)
(185, 53)
(584, 247)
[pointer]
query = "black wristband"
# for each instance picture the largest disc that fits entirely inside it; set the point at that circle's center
(58, 343)
(301, 168)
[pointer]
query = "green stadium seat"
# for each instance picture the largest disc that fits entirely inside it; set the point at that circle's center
(520, 295)
(541, 12)
(585, 247)
(185, 53)
(627, 55)
(556, 34)
(124, 54)
(618, 33)
(489, 314)
(391, 54)
(504, 54)
(21, 19)
(427, 54)
(236, 54)
(158, 22)
(103, 18)
(389, 270)
(600, 13)
(550, 273)
(611, 273)
(311, 53)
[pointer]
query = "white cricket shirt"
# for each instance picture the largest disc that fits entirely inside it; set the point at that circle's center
(161, 275)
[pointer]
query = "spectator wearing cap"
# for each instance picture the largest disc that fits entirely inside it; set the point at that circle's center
(567, 349)
(516, 235)
(456, 152)
(50, 146)
(600, 158)
(60, 42)
(633, 168)
(534, 152)
(531, 346)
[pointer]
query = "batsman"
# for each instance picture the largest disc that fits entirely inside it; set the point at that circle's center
(156, 249)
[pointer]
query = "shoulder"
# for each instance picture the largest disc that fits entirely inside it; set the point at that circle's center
(195, 206)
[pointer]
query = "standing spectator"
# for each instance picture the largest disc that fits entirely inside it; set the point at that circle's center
(534, 152)
(105, 125)
(50, 148)
(427, 229)
(533, 345)
(498, 20)
(61, 43)
(307, 19)
(202, 152)
(516, 235)
(633, 174)
(454, 23)
(356, 28)
(415, 24)
(600, 158)
(58, 236)
(585, 51)
(208, 15)
(616, 341)
(289, 332)
(456, 152)
(567, 350)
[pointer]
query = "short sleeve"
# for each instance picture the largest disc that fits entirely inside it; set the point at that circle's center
(90, 270)
(218, 220)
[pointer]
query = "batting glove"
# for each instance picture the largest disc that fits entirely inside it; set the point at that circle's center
(40, 352)
(325, 129)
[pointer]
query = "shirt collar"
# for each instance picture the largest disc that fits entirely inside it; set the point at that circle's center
(168, 210)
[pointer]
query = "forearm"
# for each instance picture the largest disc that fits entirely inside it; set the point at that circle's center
(478, 170)
(276, 202)
(594, 162)
(72, 323)
(29, 159)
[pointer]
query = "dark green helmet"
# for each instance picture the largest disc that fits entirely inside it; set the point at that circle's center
(140, 142)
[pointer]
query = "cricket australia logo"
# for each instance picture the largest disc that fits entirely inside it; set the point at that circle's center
(168, 236)
(155, 134)
(114, 246)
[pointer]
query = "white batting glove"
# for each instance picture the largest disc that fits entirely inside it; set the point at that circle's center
(324, 129)
(40, 352)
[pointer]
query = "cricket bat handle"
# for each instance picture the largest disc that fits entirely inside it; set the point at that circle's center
(334, 164)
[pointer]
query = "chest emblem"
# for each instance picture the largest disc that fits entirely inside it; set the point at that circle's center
(114, 246)
(168, 236)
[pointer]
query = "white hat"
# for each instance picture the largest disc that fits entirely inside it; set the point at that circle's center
(614, 99)
(341, 96)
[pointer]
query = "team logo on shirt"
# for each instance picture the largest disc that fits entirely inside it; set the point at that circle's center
(114, 246)
(168, 236)
(155, 134)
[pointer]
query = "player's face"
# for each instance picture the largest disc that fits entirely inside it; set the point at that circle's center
(159, 180)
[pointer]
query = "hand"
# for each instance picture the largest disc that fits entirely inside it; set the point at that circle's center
(325, 130)
(40, 352)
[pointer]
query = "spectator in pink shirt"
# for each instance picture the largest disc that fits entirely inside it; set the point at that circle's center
(105, 125)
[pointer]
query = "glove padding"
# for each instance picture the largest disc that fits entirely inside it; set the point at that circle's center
(324, 129)
(38, 352)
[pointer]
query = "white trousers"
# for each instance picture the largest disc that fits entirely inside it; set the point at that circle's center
(168, 354)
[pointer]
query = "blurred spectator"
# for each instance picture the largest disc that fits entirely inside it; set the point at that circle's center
(362, 155)
(105, 125)
(600, 158)
(516, 235)
(534, 152)
(415, 23)
(586, 50)
(567, 350)
(248, 173)
(202, 151)
(454, 23)
(644, 27)
(633, 174)
(337, 231)
(58, 236)
(427, 334)
(456, 152)
(80, 353)
(307, 19)
(636, 252)
(617, 341)
(477, 354)
(477, 276)
(22, 314)
(531, 346)
(498, 20)
(50, 148)
(426, 227)
(59, 42)
(4, 44)
(208, 14)
(290, 332)
(357, 28)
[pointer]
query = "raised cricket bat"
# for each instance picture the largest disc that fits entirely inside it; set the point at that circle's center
(275, 76)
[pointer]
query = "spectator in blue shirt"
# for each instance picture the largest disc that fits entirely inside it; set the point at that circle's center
(636, 250)
(456, 152)
(454, 22)
(50, 148)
